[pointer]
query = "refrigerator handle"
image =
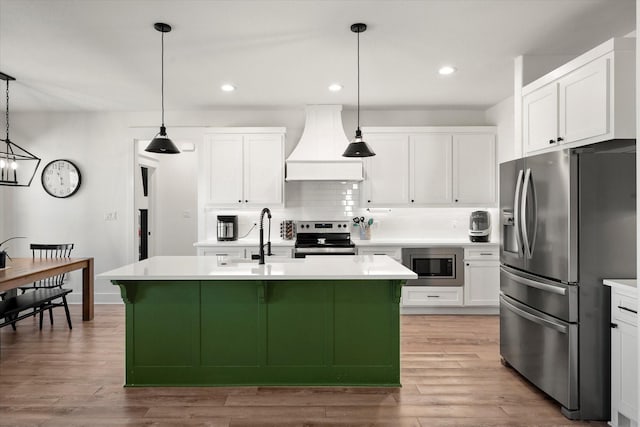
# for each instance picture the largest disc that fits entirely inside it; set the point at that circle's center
(523, 312)
(523, 214)
(516, 212)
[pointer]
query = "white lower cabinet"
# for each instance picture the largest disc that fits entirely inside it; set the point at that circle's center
(624, 358)
(275, 250)
(481, 276)
(243, 251)
(228, 251)
(446, 296)
(393, 252)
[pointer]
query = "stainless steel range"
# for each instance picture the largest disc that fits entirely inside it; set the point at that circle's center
(323, 238)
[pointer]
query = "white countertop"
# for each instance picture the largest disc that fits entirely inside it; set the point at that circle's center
(324, 267)
(624, 284)
(406, 243)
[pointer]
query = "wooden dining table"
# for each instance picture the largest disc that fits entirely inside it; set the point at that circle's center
(23, 271)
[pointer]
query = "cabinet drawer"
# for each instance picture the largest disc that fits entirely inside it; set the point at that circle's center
(393, 252)
(224, 251)
(482, 253)
(432, 296)
(276, 251)
(624, 308)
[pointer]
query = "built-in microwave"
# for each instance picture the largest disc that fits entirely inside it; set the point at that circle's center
(435, 266)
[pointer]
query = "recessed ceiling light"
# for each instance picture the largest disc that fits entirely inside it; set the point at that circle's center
(446, 70)
(228, 87)
(335, 87)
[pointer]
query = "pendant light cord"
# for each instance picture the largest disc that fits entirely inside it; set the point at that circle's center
(358, 80)
(7, 111)
(162, 76)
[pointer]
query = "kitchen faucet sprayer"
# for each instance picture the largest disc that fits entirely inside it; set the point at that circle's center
(268, 212)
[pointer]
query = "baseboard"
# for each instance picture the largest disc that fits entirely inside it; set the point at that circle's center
(450, 310)
(98, 298)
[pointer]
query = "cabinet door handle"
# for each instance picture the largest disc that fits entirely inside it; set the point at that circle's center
(433, 296)
(239, 201)
(560, 139)
(246, 201)
(467, 264)
(456, 200)
(486, 253)
(368, 201)
(627, 309)
(614, 325)
(552, 141)
(412, 200)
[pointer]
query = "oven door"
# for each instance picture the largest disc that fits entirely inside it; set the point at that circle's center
(303, 252)
(435, 266)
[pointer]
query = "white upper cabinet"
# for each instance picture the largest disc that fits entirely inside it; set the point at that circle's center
(263, 169)
(430, 166)
(242, 167)
(225, 169)
(584, 103)
(540, 118)
(387, 177)
(474, 165)
(589, 99)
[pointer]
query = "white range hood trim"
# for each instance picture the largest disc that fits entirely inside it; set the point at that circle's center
(318, 155)
(324, 170)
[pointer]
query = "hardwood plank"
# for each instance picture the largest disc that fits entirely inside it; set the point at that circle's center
(451, 376)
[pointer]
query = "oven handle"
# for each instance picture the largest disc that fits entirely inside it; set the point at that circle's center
(532, 283)
(532, 317)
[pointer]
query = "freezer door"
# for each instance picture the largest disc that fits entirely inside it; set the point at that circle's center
(554, 298)
(549, 215)
(543, 349)
(511, 180)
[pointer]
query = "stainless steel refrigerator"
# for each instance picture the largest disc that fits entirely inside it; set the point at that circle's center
(568, 220)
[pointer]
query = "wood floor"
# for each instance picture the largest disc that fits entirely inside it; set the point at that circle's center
(451, 376)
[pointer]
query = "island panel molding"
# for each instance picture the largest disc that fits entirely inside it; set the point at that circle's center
(281, 332)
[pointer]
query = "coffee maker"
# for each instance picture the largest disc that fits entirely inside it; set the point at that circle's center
(227, 227)
(479, 226)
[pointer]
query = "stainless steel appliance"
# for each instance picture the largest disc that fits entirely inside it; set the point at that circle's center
(227, 227)
(568, 220)
(435, 266)
(479, 226)
(323, 238)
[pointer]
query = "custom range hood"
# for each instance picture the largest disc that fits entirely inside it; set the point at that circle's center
(318, 155)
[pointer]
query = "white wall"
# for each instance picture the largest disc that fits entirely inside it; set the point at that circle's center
(102, 145)
(502, 116)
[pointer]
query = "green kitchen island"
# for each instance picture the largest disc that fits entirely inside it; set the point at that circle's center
(212, 321)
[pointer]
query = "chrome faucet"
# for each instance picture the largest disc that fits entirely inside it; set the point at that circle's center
(268, 212)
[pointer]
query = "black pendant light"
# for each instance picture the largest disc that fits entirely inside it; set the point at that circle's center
(17, 165)
(161, 142)
(357, 147)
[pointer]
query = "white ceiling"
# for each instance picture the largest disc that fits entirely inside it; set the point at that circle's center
(104, 55)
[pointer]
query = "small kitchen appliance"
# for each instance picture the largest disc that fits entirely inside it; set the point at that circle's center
(323, 238)
(479, 226)
(227, 227)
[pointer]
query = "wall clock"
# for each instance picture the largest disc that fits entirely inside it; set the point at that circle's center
(61, 178)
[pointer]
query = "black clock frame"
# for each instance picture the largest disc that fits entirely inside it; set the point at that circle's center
(45, 187)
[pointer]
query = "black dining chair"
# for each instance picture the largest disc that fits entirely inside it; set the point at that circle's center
(50, 251)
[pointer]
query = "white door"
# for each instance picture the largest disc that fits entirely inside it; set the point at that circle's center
(584, 106)
(225, 170)
(387, 179)
(540, 118)
(263, 169)
(430, 168)
(481, 283)
(474, 168)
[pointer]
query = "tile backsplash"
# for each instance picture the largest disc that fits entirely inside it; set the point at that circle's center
(307, 200)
